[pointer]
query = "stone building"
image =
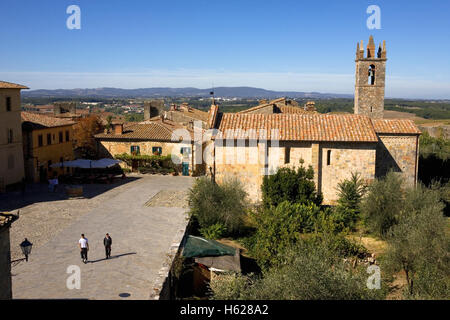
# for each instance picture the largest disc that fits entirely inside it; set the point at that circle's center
(150, 137)
(46, 140)
(370, 79)
(153, 108)
(186, 115)
(6, 220)
(258, 141)
(281, 105)
(11, 150)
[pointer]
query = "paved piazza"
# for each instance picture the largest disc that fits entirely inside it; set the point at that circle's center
(142, 235)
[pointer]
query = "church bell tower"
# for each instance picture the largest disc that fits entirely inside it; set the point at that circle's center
(370, 79)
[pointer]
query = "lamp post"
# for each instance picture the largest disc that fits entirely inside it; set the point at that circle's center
(26, 248)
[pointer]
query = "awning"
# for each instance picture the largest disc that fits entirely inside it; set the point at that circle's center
(201, 247)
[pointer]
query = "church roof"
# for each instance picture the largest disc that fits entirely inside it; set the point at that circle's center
(298, 127)
(395, 126)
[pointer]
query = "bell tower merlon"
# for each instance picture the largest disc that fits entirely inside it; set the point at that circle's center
(370, 79)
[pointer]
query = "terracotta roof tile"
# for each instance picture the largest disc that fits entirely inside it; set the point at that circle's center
(153, 129)
(10, 85)
(395, 126)
(294, 127)
(280, 104)
(40, 121)
(193, 113)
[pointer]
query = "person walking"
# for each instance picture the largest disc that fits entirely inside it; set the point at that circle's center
(83, 244)
(107, 242)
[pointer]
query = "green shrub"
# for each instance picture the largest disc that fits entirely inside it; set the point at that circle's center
(382, 205)
(309, 271)
(147, 161)
(296, 186)
(350, 193)
(215, 231)
(278, 228)
(212, 203)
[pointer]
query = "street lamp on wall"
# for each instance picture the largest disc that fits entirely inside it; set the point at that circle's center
(26, 248)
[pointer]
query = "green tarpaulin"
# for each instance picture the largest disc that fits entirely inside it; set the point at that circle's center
(201, 247)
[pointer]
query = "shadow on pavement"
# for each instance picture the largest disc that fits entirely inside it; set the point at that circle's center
(112, 257)
(38, 192)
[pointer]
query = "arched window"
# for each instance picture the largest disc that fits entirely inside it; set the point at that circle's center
(371, 75)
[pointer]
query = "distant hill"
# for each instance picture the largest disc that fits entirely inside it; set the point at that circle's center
(228, 92)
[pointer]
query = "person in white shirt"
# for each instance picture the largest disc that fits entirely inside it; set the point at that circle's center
(83, 244)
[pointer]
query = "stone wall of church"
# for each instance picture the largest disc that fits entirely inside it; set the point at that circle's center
(398, 153)
(345, 158)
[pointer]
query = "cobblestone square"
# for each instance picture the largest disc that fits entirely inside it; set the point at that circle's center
(142, 235)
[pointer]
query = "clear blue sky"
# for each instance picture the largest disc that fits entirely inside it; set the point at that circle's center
(279, 45)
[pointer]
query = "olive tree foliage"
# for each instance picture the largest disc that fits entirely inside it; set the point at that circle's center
(383, 203)
(309, 271)
(219, 206)
(293, 185)
(278, 228)
(420, 247)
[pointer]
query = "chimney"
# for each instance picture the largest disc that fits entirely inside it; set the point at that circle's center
(118, 128)
(263, 101)
(310, 106)
(147, 107)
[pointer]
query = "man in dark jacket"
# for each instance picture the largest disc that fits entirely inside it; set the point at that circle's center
(107, 242)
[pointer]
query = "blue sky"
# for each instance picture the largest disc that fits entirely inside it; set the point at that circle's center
(278, 45)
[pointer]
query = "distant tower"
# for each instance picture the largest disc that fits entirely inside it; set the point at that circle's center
(370, 79)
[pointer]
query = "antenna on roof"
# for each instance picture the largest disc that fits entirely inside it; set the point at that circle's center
(212, 94)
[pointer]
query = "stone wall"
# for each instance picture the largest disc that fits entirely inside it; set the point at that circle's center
(346, 158)
(5, 264)
(398, 153)
(111, 148)
(241, 162)
(369, 99)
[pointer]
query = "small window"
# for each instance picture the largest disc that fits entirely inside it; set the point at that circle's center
(40, 140)
(11, 161)
(49, 138)
(328, 157)
(157, 150)
(185, 150)
(67, 136)
(10, 136)
(135, 150)
(287, 155)
(8, 103)
(371, 75)
(61, 137)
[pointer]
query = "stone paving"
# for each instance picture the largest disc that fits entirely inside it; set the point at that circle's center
(142, 236)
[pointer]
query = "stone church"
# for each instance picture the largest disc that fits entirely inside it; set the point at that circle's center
(334, 145)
